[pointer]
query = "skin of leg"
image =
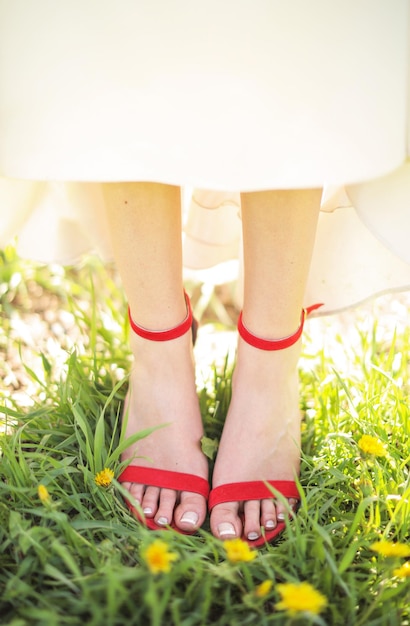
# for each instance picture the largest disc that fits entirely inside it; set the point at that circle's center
(145, 223)
(261, 436)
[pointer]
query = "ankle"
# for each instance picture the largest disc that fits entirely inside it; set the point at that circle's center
(164, 323)
(273, 339)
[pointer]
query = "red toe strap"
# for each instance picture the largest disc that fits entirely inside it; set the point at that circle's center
(165, 479)
(253, 490)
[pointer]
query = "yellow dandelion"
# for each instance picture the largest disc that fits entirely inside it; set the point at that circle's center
(238, 550)
(371, 445)
(300, 597)
(390, 548)
(43, 494)
(403, 571)
(104, 478)
(158, 557)
(263, 589)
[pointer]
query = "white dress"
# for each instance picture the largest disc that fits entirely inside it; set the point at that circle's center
(218, 97)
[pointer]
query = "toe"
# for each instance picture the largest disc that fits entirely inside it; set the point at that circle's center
(136, 491)
(252, 527)
(293, 503)
(225, 522)
(190, 513)
(149, 502)
(284, 510)
(165, 512)
(268, 514)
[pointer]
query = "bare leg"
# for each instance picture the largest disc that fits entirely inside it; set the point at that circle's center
(145, 222)
(261, 437)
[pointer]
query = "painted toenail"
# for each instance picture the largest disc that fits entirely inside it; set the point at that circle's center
(253, 536)
(147, 510)
(226, 530)
(162, 521)
(270, 524)
(281, 517)
(190, 518)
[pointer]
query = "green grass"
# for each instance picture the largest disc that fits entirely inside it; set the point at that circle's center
(79, 557)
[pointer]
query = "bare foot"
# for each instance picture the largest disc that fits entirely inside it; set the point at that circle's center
(261, 438)
(162, 391)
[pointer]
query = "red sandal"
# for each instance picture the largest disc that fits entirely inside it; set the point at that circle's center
(178, 481)
(260, 490)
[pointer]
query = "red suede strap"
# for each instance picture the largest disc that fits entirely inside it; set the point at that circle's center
(178, 481)
(274, 344)
(164, 335)
(253, 490)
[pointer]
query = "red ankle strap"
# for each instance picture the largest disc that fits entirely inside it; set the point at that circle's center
(164, 335)
(274, 344)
